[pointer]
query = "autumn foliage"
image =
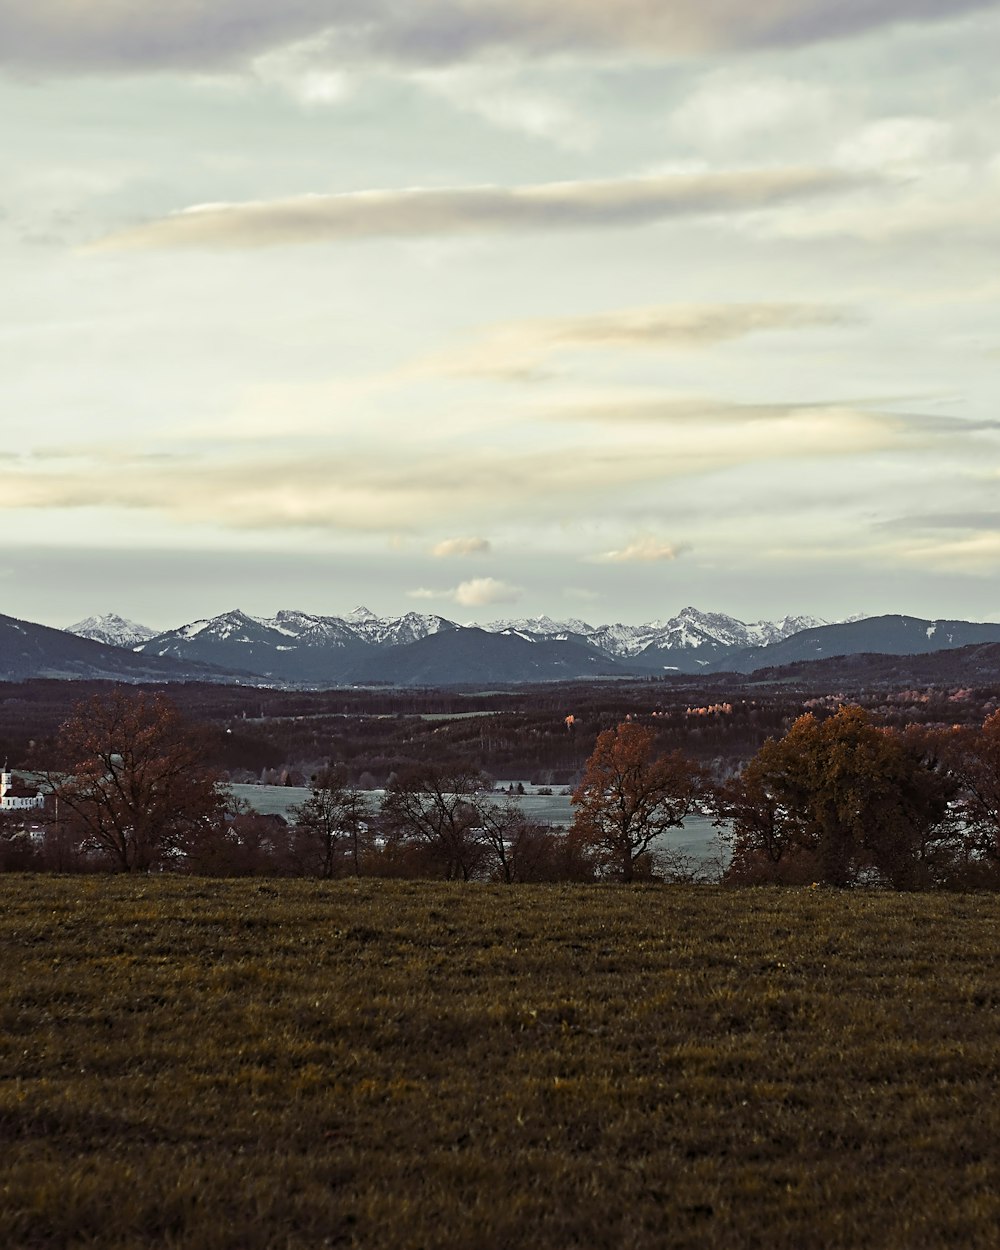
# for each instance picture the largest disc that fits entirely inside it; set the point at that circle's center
(841, 800)
(629, 796)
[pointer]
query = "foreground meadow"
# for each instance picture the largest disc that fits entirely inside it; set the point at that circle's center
(238, 1065)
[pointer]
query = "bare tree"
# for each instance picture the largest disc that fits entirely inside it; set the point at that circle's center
(131, 784)
(331, 824)
(439, 809)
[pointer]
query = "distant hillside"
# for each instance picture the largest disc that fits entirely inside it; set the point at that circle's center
(475, 657)
(28, 650)
(878, 635)
(975, 665)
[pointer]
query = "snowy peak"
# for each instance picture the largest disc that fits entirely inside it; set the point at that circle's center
(292, 645)
(539, 625)
(291, 630)
(398, 631)
(113, 630)
(691, 629)
(304, 629)
(233, 626)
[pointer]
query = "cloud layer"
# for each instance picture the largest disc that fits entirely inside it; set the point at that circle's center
(419, 212)
(198, 34)
(617, 452)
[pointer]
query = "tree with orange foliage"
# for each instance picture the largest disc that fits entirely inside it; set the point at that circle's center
(629, 796)
(131, 784)
(839, 798)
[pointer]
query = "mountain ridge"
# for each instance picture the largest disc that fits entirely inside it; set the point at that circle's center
(299, 648)
(690, 628)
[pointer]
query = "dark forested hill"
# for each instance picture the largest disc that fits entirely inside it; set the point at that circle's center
(28, 650)
(474, 657)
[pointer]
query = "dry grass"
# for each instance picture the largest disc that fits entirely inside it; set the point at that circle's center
(239, 1065)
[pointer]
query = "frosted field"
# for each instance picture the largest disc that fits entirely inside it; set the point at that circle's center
(697, 839)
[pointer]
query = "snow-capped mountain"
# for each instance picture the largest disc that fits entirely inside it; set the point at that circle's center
(304, 629)
(538, 625)
(361, 647)
(292, 645)
(689, 630)
(692, 628)
(395, 631)
(113, 630)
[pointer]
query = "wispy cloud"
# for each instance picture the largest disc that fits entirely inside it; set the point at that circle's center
(408, 485)
(521, 349)
(931, 522)
(418, 212)
(977, 553)
(68, 35)
(461, 547)
(645, 550)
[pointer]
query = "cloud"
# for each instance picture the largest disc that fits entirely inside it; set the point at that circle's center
(497, 93)
(729, 106)
(461, 547)
(977, 554)
(481, 591)
(954, 199)
(71, 36)
(894, 142)
(478, 592)
(420, 212)
(520, 349)
(645, 550)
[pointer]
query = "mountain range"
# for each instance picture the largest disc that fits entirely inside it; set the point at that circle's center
(415, 649)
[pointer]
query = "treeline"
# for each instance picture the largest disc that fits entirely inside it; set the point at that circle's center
(252, 734)
(841, 800)
(837, 798)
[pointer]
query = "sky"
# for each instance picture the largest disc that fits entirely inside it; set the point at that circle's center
(493, 308)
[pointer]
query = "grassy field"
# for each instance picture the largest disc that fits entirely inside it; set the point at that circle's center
(240, 1065)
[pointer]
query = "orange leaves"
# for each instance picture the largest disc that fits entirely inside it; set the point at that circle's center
(629, 796)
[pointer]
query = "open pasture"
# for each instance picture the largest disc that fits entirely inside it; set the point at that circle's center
(286, 1064)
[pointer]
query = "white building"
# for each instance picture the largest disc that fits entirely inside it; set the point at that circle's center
(17, 797)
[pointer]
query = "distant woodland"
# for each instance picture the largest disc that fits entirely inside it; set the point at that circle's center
(541, 734)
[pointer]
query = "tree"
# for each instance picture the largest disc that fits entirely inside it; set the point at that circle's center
(437, 808)
(131, 784)
(973, 756)
(330, 825)
(517, 848)
(239, 843)
(836, 797)
(629, 796)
